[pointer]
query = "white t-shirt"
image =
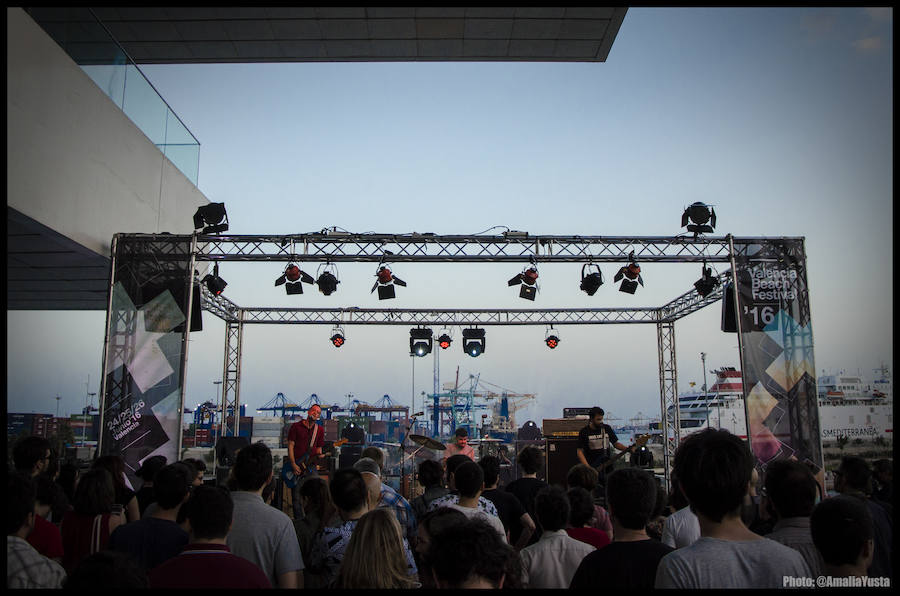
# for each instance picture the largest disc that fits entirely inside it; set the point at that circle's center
(475, 513)
(681, 529)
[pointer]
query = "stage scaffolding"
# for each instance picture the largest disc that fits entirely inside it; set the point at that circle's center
(138, 257)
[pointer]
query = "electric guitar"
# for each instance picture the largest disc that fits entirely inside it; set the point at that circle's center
(638, 442)
(287, 471)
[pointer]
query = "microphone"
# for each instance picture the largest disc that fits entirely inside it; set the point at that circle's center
(417, 414)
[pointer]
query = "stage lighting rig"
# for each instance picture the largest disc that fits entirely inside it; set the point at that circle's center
(444, 340)
(474, 342)
(702, 218)
(527, 281)
(212, 218)
(385, 282)
(337, 337)
(628, 274)
(591, 282)
(327, 278)
(420, 341)
(707, 282)
(214, 283)
(292, 279)
(551, 339)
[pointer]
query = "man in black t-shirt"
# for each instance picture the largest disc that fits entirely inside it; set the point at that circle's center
(594, 442)
(518, 524)
(630, 561)
(525, 489)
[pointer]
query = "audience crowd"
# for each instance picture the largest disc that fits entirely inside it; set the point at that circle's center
(719, 526)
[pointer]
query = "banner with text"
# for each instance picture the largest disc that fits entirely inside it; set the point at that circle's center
(779, 369)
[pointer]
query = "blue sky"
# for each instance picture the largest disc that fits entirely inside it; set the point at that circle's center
(780, 117)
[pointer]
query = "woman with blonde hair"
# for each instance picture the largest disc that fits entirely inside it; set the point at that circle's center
(376, 556)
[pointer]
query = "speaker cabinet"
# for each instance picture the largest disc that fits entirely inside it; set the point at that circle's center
(560, 459)
(729, 316)
(350, 454)
(227, 448)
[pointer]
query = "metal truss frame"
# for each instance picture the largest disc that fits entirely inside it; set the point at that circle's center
(331, 246)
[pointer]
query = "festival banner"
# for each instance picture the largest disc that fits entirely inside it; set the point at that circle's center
(777, 344)
(143, 397)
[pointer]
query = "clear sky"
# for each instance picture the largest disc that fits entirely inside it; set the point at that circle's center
(780, 117)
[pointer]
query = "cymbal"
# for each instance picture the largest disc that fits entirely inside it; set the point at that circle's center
(489, 441)
(427, 442)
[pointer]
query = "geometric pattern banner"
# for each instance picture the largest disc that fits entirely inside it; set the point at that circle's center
(142, 394)
(779, 368)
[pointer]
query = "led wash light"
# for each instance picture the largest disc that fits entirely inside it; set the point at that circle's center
(551, 339)
(292, 278)
(420, 341)
(444, 340)
(337, 337)
(473, 342)
(630, 276)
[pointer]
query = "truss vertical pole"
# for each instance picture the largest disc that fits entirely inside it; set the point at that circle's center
(185, 339)
(670, 420)
(739, 315)
(106, 346)
(231, 377)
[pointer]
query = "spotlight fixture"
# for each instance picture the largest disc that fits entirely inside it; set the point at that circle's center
(337, 337)
(551, 339)
(527, 281)
(702, 217)
(212, 218)
(444, 340)
(420, 341)
(214, 283)
(707, 283)
(385, 282)
(591, 282)
(327, 279)
(473, 342)
(630, 273)
(292, 279)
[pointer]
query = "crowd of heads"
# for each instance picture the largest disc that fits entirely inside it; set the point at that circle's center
(712, 473)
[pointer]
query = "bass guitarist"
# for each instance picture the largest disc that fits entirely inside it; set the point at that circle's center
(304, 436)
(594, 441)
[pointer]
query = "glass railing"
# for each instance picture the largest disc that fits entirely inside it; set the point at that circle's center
(95, 50)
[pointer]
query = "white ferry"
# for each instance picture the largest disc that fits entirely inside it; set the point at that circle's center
(847, 406)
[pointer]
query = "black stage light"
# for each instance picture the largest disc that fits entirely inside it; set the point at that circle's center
(707, 283)
(552, 339)
(292, 279)
(337, 337)
(630, 276)
(444, 341)
(702, 217)
(385, 283)
(528, 282)
(214, 283)
(474, 342)
(212, 218)
(591, 282)
(327, 280)
(420, 342)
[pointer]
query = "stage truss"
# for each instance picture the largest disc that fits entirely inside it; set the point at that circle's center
(152, 255)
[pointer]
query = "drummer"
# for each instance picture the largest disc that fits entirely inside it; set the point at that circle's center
(460, 445)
